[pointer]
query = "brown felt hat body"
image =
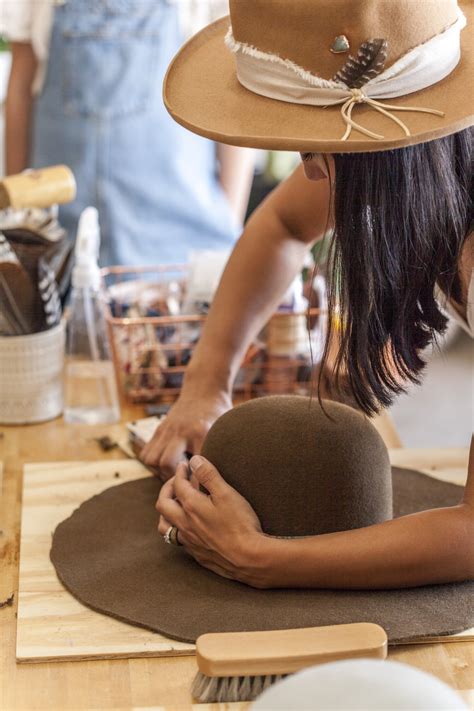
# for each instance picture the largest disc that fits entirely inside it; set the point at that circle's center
(202, 91)
(108, 553)
(305, 471)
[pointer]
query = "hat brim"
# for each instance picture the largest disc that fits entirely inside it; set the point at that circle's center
(108, 555)
(202, 93)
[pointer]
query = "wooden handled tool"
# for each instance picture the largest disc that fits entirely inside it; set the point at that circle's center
(237, 666)
(38, 188)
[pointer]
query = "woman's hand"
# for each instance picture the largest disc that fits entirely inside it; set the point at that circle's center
(220, 530)
(183, 430)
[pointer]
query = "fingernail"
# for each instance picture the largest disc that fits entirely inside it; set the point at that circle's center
(195, 462)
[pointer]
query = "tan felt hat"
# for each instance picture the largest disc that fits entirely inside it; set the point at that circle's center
(304, 474)
(331, 76)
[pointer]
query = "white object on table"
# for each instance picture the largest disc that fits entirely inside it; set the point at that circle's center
(144, 429)
(360, 685)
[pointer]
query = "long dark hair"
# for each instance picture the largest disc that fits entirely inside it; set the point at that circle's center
(401, 218)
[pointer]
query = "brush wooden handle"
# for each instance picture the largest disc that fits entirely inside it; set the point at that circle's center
(287, 651)
(38, 188)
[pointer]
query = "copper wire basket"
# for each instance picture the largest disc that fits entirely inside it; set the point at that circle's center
(151, 352)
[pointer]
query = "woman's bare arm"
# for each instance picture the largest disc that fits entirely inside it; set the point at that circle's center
(264, 262)
(434, 546)
(18, 107)
(266, 259)
(222, 532)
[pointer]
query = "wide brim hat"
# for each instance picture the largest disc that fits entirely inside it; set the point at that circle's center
(285, 75)
(301, 479)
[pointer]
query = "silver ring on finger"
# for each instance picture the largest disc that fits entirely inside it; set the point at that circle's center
(171, 536)
(174, 537)
(167, 536)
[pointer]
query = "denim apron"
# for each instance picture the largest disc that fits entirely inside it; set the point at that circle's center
(101, 112)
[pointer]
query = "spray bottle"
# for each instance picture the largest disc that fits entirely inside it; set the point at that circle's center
(91, 390)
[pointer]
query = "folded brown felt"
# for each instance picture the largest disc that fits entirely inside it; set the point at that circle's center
(304, 473)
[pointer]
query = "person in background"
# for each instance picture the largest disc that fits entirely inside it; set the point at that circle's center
(85, 90)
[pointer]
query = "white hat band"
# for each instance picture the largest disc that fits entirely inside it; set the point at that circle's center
(273, 77)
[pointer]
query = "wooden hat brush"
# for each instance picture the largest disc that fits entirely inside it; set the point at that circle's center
(239, 666)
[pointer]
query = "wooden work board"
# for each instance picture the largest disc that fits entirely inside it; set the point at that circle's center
(52, 625)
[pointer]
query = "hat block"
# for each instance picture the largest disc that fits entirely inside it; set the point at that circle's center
(306, 470)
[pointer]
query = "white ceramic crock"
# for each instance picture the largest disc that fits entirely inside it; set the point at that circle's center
(31, 376)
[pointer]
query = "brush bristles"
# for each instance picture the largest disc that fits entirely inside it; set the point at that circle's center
(229, 689)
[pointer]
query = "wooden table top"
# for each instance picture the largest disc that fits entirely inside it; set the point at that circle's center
(136, 683)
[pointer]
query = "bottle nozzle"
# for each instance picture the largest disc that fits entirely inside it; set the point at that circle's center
(86, 271)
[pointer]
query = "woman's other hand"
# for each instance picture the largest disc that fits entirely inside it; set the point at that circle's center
(220, 530)
(184, 429)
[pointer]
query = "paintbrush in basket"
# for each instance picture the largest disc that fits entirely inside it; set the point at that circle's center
(239, 666)
(42, 256)
(18, 296)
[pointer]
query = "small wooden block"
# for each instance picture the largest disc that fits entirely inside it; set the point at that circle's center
(52, 625)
